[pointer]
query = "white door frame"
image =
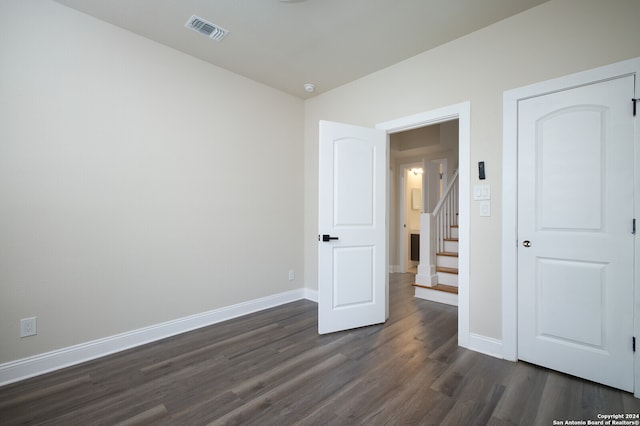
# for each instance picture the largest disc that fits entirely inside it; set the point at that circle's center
(510, 195)
(461, 112)
(403, 243)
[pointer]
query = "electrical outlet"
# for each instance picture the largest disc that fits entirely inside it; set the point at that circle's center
(28, 327)
(485, 208)
(292, 275)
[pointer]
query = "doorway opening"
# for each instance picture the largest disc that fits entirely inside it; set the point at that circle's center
(460, 113)
(421, 162)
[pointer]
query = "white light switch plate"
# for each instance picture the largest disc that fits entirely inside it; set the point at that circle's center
(482, 192)
(485, 208)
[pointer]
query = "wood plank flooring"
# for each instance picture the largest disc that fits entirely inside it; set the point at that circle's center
(272, 368)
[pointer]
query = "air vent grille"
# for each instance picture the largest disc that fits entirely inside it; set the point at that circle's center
(206, 28)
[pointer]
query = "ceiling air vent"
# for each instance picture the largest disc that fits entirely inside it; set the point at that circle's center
(207, 28)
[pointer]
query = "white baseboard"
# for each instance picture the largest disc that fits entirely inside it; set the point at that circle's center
(426, 279)
(485, 345)
(311, 295)
(43, 363)
(436, 296)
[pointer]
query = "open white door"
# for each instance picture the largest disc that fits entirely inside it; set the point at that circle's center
(575, 225)
(352, 273)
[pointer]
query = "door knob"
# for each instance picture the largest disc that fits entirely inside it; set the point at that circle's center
(326, 237)
(526, 243)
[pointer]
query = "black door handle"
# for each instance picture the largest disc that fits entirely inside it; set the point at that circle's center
(326, 237)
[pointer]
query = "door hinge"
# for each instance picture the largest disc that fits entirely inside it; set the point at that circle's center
(635, 101)
(633, 227)
(633, 343)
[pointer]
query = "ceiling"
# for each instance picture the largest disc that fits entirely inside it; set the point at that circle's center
(285, 44)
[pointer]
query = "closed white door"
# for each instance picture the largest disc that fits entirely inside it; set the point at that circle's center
(352, 277)
(575, 224)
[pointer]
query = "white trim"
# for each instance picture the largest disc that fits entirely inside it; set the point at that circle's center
(310, 294)
(510, 196)
(43, 363)
(436, 296)
(462, 112)
(486, 345)
(403, 252)
(401, 240)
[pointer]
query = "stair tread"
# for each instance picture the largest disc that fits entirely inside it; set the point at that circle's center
(453, 226)
(447, 253)
(440, 287)
(451, 239)
(447, 270)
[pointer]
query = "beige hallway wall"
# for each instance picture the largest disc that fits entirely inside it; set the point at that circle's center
(137, 185)
(557, 38)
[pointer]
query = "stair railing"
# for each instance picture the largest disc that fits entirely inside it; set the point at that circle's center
(445, 215)
(435, 228)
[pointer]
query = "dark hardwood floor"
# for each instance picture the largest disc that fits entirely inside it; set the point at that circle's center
(272, 368)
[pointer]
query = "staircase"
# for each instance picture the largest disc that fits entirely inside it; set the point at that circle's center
(437, 277)
(446, 288)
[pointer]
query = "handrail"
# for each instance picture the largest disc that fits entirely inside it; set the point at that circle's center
(445, 214)
(435, 228)
(454, 180)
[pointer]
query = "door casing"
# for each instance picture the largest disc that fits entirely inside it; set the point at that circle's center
(510, 195)
(403, 231)
(461, 112)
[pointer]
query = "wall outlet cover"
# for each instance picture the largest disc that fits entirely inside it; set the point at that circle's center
(485, 208)
(28, 327)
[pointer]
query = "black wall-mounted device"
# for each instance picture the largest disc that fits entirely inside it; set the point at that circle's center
(481, 175)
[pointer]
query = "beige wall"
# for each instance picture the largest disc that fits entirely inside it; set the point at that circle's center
(449, 138)
(137, 184)
(133, 190)
(554, 39)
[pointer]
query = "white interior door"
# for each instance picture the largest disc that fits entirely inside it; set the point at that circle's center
(575, 242)
(352, 272)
